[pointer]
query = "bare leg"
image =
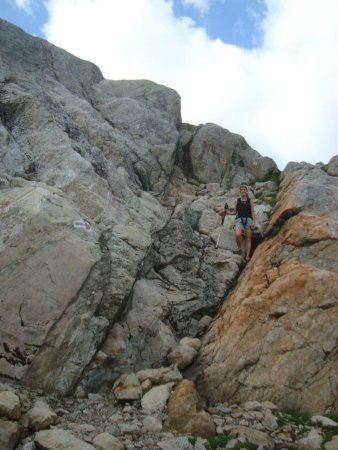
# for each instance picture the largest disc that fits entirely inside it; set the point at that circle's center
(238, 234)
(248, 238)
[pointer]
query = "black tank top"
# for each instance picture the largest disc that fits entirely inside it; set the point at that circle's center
(243, 208)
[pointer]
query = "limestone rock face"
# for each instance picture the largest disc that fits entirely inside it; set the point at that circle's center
(276, 336)
(108, 229)
(91, 196)
(45, 260)
(216, 155)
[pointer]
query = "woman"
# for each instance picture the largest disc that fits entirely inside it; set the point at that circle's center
(245, 221)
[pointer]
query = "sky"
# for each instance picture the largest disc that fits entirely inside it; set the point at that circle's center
(265, 69)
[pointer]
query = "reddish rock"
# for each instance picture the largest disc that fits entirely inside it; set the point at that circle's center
(185, 413)
(275, 337)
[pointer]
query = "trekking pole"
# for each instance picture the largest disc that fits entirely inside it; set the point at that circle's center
(222, 223)
(219, 234)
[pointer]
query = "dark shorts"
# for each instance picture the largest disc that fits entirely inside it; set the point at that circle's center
(243, 224)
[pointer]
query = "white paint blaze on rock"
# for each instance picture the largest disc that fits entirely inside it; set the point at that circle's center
(37, 286)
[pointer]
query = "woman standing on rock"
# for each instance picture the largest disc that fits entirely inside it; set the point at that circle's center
(245, 221)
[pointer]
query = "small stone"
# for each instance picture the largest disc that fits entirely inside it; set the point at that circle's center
(270, 405)
(156, 399)
(129, 428)
(41, 416)
(253, 406)
(146, 385)
(183, 356)
(10, 434)
(195, 343)
(332, 445)
(60, 439)
(10, 406)
(323, 421)
(127, 387)
(152, 424)
(312, 441)
(269, 421)
(106, 441)
(95, 397)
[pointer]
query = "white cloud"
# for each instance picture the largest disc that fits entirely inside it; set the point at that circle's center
(201, 5)
(24, 4)
(283, 97)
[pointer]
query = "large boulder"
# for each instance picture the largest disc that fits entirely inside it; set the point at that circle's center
(48, 250)
(185, 412)
(275, 337)
(213, 154)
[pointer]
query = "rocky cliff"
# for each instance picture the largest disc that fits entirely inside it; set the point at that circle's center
(109, 220)
(276, 335)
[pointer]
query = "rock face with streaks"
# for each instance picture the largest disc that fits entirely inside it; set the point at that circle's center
(102, 242)
(112, 254)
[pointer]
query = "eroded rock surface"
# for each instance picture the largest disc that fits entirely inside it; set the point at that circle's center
(104, 244)
(276, 336)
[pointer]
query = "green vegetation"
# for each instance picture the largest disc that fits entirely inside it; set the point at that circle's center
(332, 416)
(270, 199)
(192, 440)
(271, 176)
(217, 442)
(293, 416)
(200, 181)
(327, 438)
(220, 442)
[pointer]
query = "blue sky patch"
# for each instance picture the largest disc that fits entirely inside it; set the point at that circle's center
(235, 22)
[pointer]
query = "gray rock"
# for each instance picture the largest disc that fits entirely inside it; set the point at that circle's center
(127, 387)
(156, 399)
(312, 441)
(181, 443)
(219, 156)
(331, 445)
(58, 439)
(324, 422)
(41, 416)
(106, 441)
(182, 355)
(152, 424)
(255, 436)
(10, 406)
(332, 166)
(10, 434)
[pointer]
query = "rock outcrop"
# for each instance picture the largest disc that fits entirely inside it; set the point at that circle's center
(113, 263)
(104, 243)
(275, 337)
